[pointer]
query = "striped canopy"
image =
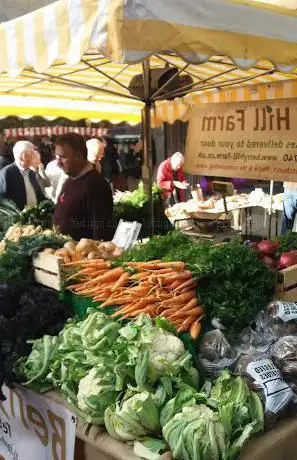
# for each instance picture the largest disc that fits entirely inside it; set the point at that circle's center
(88, 50)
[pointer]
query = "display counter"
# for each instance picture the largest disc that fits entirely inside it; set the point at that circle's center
(93, 443)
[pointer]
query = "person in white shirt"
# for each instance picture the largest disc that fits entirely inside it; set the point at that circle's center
(57, 178)
(17, 181)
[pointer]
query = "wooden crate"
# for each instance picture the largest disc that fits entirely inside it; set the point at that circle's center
(287, 284)
(47, 270)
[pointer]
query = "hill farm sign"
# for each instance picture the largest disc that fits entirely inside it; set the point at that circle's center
(255, 140)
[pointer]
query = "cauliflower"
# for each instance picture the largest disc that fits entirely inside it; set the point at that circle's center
(165, 349)
(96, 391)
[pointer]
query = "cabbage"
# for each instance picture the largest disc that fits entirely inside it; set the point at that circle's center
(158, 355)
(196, 432)
(136, 416)
(96, 391)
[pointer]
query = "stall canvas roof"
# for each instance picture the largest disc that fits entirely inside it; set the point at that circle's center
(88, 51)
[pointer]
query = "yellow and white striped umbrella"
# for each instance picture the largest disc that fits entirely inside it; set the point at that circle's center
(89, 50)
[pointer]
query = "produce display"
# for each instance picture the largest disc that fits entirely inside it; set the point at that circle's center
(128, 205)
(39, 215)
(215, 204)
(129, 363)
(140, 382)
(24, 315)
(233, 285)
(156, 288)
(85, 249)
(16, 259)
(278, 254)
(134, 206)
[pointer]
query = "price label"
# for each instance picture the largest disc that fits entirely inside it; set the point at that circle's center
(126, 234)
(34, 427)
(277, 391)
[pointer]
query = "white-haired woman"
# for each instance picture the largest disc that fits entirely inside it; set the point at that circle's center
(18, 181)
(171, 178)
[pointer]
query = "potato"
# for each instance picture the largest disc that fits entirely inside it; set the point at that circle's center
(85, 244)
(49, 251)
(62, 252)
(70, 246)
(117, 252)
(93, 255)
(105, 255)
(110, 246)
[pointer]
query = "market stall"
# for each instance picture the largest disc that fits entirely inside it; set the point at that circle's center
(188, 291)
(171, 288)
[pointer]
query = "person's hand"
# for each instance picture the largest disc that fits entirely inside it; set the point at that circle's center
(180, 185)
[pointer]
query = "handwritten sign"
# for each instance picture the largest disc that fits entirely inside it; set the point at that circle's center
(255, 140)
(32, 427)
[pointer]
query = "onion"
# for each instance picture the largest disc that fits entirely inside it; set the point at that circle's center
(287, 259)
(267, 248)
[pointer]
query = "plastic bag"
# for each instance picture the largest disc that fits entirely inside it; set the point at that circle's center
(282, 318)
(215, 354)
(258, 337)
(265, 378)
(284, 355)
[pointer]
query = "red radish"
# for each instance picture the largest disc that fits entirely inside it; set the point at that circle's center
(287, 259)
(267, 248)
(269, 262)
(254, 247)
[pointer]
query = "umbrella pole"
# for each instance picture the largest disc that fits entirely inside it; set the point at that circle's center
(148, 163)
(147, 141)
(270, 208)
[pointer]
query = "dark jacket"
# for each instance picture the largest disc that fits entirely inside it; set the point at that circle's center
(12, 185)
(84, 208)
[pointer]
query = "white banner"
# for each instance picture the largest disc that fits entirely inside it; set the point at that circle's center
(33, 427)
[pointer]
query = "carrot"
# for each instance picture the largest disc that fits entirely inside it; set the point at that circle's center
(182, 276)
(190, 283)
(162, 271)
(121, 281)
(191, 304)
(195, 329)
(178, 266)
(138, 264)
(185, 297)
(140, 276)
(110, 275)
(186, 324)
(134, 313)
(116, 301)
(173, 285)
(98, 262)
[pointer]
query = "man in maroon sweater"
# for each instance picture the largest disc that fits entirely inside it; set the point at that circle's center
(84, 207)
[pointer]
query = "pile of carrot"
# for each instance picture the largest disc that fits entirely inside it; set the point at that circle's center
(156, 288)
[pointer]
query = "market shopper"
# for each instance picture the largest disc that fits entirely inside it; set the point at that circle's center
(171, 178)
(289, 206)
(17, 181)
(84, 207)
(6, 156)
(57, 178)
(95, 153)
(40, 174)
